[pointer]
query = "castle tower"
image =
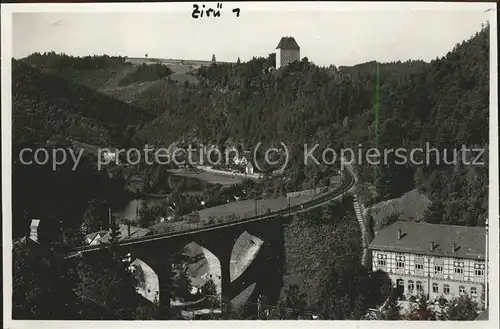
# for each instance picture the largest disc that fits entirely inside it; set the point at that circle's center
(287, 52)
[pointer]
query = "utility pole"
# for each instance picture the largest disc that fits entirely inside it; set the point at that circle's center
(136, 211)
(428, 278)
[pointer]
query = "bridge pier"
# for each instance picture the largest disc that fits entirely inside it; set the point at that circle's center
(221, 246)
(225, 272)
(160, 262)
(165, 283)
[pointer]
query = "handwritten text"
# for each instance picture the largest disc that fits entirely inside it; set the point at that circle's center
(210, 12)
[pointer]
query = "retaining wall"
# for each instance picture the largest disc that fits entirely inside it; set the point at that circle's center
(360, 211)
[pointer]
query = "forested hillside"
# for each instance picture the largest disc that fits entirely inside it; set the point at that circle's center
(92, 71)
(111, 75)
(59, 101)
(444, 103)
(46, 106)
(50, 112)
(389, 105)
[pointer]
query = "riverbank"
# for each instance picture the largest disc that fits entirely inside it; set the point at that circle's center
(229, 173)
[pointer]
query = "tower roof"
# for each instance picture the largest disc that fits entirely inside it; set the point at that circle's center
(288, 43)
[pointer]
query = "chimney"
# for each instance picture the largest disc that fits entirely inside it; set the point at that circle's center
(399, 234)
(454, 247)
(34, 229)
(432, 245)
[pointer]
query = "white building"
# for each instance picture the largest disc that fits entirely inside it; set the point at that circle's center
(436, 260)
(126, 232)
(109, 156)
(287, 52)
(240, 161)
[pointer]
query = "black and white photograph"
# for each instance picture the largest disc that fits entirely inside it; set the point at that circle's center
(308, 161)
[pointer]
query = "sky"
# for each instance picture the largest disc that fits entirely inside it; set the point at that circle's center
(333, 36)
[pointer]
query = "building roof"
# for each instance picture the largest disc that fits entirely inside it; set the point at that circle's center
(288, 43)
(91, 236)
(416, 238)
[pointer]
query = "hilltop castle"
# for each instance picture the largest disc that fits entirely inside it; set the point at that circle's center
(287, 52)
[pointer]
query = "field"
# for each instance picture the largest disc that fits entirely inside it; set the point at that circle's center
(410, 207)
(246, 208)
(236, 209)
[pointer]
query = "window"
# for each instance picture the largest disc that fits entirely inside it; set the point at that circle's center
(473, 291)
(462, 290)
(419, 286)
(381, 262)
(446, 289)
(419, 266)
(435, 288)
(459, 267)
(438, 269)
(479, 269)
(401, 282)
(400, 261)
(411, 286)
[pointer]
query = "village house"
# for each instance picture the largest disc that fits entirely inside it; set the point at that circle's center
(240, 161)
(242, 165)
(125, 231)
(109, 155)
(436, 260)
(93, 239)
(34, 228)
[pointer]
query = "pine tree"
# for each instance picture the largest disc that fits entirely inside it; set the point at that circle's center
(461, 308)
(115, 231)
(95, 217)
(37, 276)
(105, 288)
(392, 310)
(182, 284)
